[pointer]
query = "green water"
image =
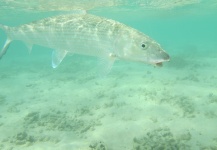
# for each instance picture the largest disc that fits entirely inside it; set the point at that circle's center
(135, 107)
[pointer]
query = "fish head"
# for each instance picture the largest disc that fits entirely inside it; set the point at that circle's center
(144, 49)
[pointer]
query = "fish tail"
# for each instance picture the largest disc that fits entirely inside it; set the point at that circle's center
(7, 42)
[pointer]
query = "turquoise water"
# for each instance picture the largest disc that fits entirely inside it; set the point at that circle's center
(135, 107)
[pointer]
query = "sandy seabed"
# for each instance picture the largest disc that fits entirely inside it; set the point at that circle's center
(135, 107)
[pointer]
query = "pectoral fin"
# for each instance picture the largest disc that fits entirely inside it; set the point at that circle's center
(29, 47)
(105, 64)
(57, 57)
(5, 47)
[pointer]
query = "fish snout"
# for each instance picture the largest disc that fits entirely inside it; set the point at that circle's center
(165, 56)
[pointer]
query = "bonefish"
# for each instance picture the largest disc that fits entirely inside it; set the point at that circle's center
(87, 34)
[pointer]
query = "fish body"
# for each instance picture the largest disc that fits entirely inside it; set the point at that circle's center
(68, 5)
(87, 35)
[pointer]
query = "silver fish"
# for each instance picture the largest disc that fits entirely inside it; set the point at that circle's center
(87, 34)
(68, 5)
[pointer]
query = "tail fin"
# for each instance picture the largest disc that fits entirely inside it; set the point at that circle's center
(7, 42)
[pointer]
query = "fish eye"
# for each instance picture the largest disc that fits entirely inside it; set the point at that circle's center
(144, 46)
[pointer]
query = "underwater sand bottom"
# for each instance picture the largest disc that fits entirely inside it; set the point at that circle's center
(135, 107)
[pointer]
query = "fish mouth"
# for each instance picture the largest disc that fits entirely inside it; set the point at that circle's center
(164, 57)
(160, 63)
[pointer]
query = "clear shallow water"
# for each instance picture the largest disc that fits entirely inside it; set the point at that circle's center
(136, 105)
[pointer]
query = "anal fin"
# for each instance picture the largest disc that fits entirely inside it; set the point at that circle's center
(57, 57)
